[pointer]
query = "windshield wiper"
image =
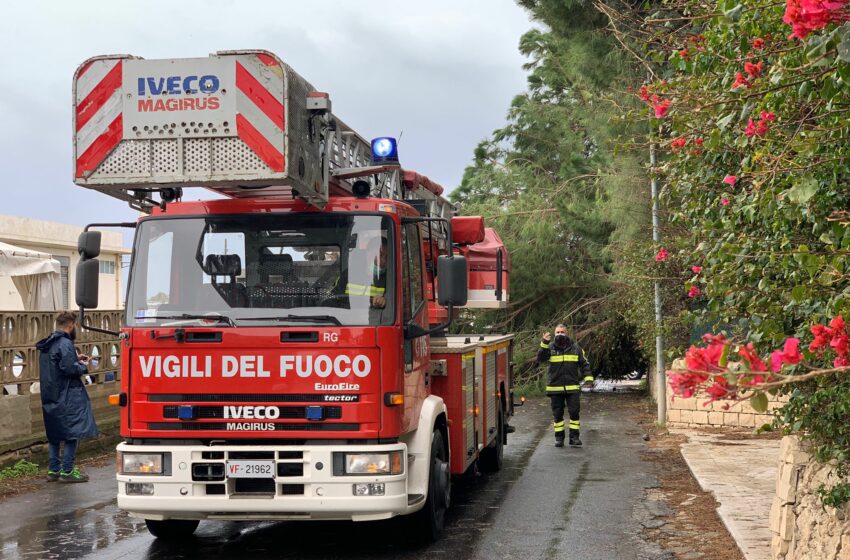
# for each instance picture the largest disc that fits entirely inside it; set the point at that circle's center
(197, 317)
(296, 319)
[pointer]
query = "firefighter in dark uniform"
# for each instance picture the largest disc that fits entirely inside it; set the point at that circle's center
(568, 369)
(371, 279)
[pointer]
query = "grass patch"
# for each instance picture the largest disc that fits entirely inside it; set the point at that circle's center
(19, 469)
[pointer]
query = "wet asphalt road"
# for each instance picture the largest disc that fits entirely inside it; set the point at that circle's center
(545, 503)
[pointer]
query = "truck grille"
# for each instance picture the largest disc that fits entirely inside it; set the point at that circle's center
(278, 427)
(212, 412)
(252, 397)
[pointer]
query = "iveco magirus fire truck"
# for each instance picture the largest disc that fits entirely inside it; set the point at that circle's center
(284, 354)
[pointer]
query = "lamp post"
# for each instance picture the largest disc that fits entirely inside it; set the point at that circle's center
(660, 375)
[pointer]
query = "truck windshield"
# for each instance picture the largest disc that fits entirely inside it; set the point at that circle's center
(275, 269)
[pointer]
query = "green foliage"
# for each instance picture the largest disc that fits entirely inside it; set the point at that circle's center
(834, 496)
(19, 469)
(551, 183)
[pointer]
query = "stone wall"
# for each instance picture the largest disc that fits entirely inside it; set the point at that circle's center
(693, 412)
(803, 528)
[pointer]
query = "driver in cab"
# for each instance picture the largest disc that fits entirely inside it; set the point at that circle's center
(376, 271)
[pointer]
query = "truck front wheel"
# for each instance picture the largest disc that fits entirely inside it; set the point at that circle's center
(431, 519)
(171, 529)
(491, 456)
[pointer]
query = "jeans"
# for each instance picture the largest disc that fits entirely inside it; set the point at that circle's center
(67, 460)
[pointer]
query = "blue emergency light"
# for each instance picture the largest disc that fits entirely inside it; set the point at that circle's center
(314, 413)
(384, 150)
(186, 412)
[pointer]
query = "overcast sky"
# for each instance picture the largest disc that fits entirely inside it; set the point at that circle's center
(442, 71)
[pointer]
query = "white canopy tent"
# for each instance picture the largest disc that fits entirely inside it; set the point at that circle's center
(36, 276)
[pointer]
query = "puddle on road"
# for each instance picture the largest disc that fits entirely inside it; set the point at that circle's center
(71, 535)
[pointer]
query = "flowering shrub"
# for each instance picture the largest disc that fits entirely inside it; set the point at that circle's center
(714, 370)
(762, 205)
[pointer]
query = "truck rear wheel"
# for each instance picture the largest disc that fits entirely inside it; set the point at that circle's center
(171, 529)
(491, 456)
(430, 520)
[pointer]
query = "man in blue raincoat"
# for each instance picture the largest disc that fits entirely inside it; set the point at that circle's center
(65, 404)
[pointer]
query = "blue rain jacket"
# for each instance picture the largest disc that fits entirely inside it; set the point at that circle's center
(65, 402)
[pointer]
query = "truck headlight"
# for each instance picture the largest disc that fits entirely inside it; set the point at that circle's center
(374, 463)
(141, 463)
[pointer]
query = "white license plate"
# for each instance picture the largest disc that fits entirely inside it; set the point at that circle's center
(250, 469)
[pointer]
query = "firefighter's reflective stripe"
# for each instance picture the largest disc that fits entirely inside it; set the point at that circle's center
(361, 290)
(559, 426)
(544, 345)
(562, 388)
(588, 378)
(564, 358)
(574, 424)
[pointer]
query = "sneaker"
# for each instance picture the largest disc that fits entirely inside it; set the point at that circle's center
(52, 476)
(74, 476)
(559, 443)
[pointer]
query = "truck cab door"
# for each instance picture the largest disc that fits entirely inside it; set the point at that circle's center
(414, 305)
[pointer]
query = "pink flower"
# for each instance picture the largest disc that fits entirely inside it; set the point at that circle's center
(790, 354)
(720, 388)
(730, 180)
(805, 16)
(768, 116)
(696, 269)
(823, 335)
(661, 108)
(841, 344)
(685, 384)
(698, 141)
(724, 201)
(693, 292)
(705, 359)
(751, 129)
(678, 144)
(740, 80)
(748, 354)
(643, 92)
(662, 255)
(758, 43)
(754, 70)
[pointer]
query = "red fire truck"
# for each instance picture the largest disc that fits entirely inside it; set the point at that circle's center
(284, 353)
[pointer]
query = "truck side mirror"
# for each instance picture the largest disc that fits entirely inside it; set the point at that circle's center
(88, 245)
(453, 280)
(88, 280)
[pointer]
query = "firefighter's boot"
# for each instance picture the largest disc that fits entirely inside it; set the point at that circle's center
(575, 441)
(559, 433)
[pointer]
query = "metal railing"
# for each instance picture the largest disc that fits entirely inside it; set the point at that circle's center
(20, 330)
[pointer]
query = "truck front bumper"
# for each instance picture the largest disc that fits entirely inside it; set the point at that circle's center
(305, 488)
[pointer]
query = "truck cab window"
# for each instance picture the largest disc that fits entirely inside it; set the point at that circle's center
(412, 277)
(265, 270)
(158, 278)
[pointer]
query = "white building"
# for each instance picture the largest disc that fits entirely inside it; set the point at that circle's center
(60, 241)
